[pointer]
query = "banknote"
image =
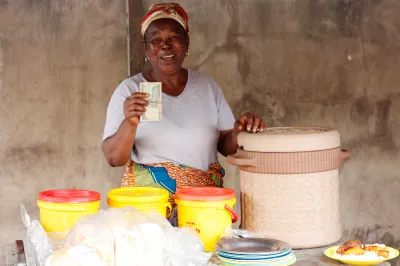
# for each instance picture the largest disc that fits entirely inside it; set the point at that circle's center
(154, 109)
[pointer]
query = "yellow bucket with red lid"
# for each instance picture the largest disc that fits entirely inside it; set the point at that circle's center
(61, 208)
(209, 210)
(141, 198)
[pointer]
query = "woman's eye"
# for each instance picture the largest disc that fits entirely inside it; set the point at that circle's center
(174, 37)
(155, 41)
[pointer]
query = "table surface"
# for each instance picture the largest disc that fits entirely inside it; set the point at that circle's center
(314, 257)
(305, 257)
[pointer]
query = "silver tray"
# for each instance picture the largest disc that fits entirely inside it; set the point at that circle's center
(251, 246)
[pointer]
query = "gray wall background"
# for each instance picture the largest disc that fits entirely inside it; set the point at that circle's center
(306, 62)
(60, 60)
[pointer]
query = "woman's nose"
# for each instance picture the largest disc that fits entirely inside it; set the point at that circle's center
(166, 44)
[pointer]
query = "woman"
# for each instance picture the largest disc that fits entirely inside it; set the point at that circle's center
(180, 150)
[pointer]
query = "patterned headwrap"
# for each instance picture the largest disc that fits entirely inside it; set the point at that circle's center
(168, 10)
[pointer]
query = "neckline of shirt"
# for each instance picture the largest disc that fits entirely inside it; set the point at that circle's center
(185, 96)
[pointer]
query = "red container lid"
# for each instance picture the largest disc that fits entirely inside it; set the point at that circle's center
(205, 193)
(69, 196)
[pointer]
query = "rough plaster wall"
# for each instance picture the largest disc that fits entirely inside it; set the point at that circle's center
(315, 62)
(60, 61)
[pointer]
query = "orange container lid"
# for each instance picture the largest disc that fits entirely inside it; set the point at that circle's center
(69, 196)
(205, 194)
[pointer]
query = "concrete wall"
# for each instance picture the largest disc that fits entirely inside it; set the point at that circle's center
(306, 62)
(60, 61)
(316, 62)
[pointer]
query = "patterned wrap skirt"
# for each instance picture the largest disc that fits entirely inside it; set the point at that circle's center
(171, 177)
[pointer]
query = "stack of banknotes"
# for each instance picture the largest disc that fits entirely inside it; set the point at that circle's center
(154, 109)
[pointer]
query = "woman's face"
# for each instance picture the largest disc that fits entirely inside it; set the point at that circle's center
(165, 44)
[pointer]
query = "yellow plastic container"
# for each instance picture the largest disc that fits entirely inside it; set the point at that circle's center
(60, 209)
(141, 198)
(208, 210)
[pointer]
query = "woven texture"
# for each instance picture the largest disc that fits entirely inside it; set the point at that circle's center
(287, 162)
(301, 209)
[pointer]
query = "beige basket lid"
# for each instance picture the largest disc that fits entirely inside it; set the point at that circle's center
(290, 139)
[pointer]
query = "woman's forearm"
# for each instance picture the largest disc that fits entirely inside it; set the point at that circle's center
(117, 148)
(227, 143)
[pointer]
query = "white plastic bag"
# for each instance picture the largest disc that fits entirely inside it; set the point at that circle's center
(121, 237)
(182, 246)
(128, 237)
(36, 242)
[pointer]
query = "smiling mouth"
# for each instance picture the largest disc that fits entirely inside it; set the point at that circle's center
(167, 57)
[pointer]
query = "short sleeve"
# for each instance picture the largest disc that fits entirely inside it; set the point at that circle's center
(115, 110)
(226, 119)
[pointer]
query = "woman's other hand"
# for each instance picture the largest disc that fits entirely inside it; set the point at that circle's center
(135, 106)
(249, 122)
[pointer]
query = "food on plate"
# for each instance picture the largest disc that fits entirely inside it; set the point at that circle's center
(381, 250)
(383, 253)
(351, 247)
(354, 249)
(372, 248)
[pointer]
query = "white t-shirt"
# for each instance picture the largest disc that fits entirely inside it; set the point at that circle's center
(188, 132)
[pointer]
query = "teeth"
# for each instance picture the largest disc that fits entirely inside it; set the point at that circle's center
(168, 56)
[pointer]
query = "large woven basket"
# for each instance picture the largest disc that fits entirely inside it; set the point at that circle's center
(289, 184)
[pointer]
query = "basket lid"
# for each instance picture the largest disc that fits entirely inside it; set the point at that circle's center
(138, 194)
(69, 196)
(290, 139)
(205, 194)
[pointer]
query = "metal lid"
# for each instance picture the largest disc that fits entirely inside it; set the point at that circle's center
(290, 139)
(252, 246)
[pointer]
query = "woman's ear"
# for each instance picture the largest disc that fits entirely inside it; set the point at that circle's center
(187, 41)
(144, 45)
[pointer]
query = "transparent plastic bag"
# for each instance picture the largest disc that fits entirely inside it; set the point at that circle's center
(127, 237)
(36, 241)
(120, 237)
(182, 246)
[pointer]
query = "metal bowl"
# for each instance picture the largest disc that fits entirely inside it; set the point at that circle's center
(247, 246)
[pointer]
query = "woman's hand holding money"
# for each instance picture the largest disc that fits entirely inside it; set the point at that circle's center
(134, 106)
